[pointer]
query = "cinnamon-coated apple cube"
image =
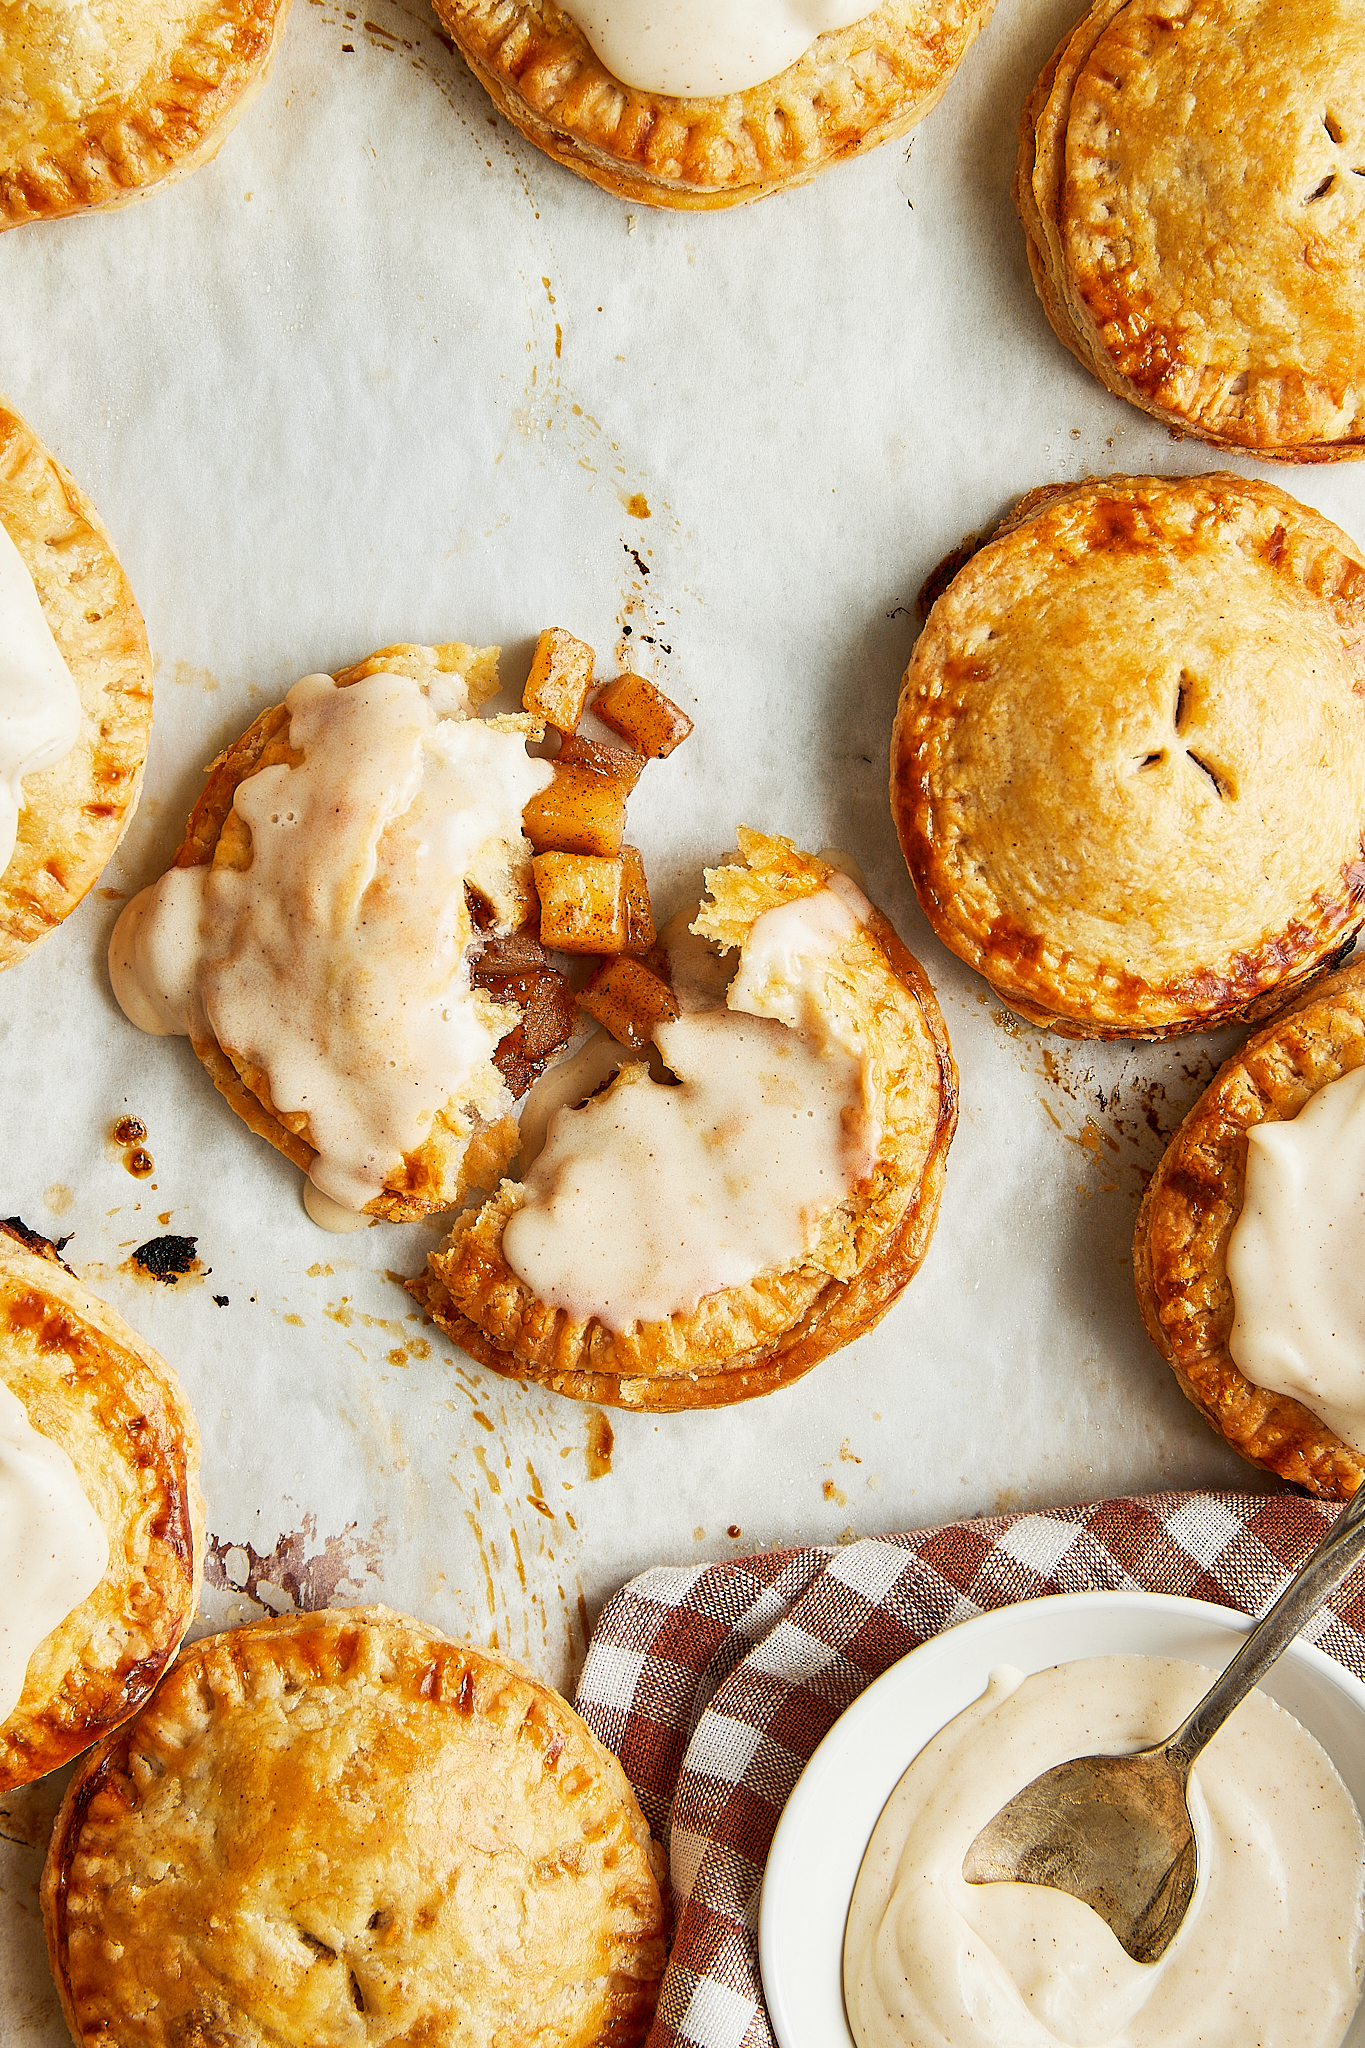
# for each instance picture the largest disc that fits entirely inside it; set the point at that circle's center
(640, 933)
(640, 712)
(584, 809)
(582, 902)
(560, 679)
(628, 1000)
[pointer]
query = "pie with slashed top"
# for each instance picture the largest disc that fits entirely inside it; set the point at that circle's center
(342, 1827)
(1128, 767)
(1191, 180)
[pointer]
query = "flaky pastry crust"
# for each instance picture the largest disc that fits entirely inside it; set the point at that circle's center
(464, 1148)
(342, 1827)
(1128, 766)
(1207, 267)
(101, 100)
(1188, 1213)
(743, 1341)
(75, 812)
(853, 88)
(116, 1408)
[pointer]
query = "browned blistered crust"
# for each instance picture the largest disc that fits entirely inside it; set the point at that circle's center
(342, 1827)
(75, 812)
(100, 101)
(742, 1341)
(854, 87)
(1188, 1213)
(117, 1410)
(461, 1150)
(1128, 766)
(1207, 267)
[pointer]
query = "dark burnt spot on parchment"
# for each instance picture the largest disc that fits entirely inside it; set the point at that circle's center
(295, 1574)
(1130, 1112)
(167, 1259)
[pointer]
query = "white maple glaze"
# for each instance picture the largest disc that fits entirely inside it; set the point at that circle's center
(1270, 1954)
(651, 1196)
(40, 711)
(335, 961)
(1296, 1256)
(53, 1549)
(693, 49)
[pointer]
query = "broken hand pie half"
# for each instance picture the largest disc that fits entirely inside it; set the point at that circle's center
(343, 1827)
(1249, 1243)
(351, 867)
(1128, 767)
(1191, 180)
(102, 99)
(75, 692)
(854, 86)
(707, 1231)
(100, 1514)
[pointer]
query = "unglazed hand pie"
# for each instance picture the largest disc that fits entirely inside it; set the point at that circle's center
(100, 100)
(93, 1388)
(853, 88)
(75, 811)
(351, 863)
(1192, 1206)
(342, 1827)
(1192, 185)
(1128, 768)
(685, 1246)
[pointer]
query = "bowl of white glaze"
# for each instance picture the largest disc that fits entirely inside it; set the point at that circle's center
(818, 1848)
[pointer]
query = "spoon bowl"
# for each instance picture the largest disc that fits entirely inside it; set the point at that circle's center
(1115, 1831)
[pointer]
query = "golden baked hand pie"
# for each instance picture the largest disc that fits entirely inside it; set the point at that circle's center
(1128, 767)
(87, 1383)
(1191, 181)
(689, 1246)
(353, 861)
(342, 1827)
(99, 101)
(853, 88)
(74, 812)
(1191, 1208)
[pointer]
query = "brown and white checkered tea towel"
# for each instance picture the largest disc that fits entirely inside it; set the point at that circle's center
(714, 1683)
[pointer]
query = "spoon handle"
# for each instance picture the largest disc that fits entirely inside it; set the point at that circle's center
(1322, 1570)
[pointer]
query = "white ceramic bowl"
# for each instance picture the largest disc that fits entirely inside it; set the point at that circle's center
(819, 1844)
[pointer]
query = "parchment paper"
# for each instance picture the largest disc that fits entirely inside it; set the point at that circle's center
(381, 371)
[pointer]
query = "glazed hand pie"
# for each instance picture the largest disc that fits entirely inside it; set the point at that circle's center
(696, 1236)
(101, 100)
(349, 870)
(75, 692)
(1128, 768)
(1191, 181)
(342, 1827)
(853, 87)
(1302, 1317)
(94, 1429)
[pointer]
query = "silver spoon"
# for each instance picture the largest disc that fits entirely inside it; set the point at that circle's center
(1114, 1831)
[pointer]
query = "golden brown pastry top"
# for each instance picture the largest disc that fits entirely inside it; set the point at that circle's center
(1128, 767)
(340, 1828)
(74, 812)
(744, 1340)
(1188, 1213)
(1206, 264)
(102, 99)
(853, 88)
(116, 1408)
